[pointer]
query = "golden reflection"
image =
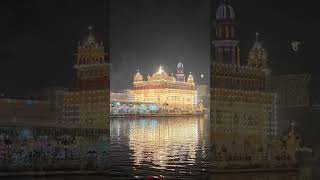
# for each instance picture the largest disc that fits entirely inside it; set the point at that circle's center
(165, 142)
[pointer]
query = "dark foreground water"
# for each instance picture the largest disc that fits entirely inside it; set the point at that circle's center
(174, 148)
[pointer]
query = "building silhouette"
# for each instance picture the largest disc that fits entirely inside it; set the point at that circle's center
(242, 110)
(89, 102)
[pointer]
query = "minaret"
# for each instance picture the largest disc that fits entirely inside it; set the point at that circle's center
(225, 36)
(180, 74)
(91, 65)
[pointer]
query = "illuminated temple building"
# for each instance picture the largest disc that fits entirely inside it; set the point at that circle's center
(168, 92)
(242, 111)
(88, 103)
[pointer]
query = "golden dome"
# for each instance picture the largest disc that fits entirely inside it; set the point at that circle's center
(160, 75)
(190, 78)
(137, 77)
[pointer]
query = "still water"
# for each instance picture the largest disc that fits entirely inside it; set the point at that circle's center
(175, 148)
(172, 147)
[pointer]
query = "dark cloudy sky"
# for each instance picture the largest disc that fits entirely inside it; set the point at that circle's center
(39, 37)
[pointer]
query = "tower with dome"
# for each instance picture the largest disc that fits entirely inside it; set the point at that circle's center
(180, 72)
(242, 111)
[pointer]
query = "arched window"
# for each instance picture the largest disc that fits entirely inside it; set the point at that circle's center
(232, 32)
(220, 32)
(227, 31)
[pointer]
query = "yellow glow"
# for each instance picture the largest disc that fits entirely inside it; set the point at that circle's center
(160, 70)
(164, 140)
(165, 91)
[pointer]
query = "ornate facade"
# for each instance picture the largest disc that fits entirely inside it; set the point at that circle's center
(166, 91)
(242, 112)
(89, 102)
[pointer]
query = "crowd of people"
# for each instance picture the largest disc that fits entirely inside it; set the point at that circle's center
(45, 152)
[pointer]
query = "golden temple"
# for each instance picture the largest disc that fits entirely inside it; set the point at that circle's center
(168, 92)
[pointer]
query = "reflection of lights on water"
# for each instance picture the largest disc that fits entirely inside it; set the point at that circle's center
(118, 129)
(164, 141)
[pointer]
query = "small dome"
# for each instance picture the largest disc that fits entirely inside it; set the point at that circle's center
(190, 78)
(225, 12)
(90, 39)
(258, 57)
(257, 48)
(180, 65)
(138, 77)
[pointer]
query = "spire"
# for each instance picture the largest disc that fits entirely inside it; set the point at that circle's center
(160, 70)
(91, 38)
(257, 43)
(257, 36)
(90, 29)
(258, 56)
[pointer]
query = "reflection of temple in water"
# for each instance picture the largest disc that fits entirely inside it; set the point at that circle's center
(146, 135)
(163, 143)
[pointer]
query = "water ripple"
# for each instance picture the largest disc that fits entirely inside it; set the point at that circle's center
(171, 147)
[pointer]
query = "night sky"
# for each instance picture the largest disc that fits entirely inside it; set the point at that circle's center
(39, 37)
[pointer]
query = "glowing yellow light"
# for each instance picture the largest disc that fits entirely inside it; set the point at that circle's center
(160, 70)
(164, 90)
(161, 138)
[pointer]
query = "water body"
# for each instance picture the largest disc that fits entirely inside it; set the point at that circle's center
(174, 148)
